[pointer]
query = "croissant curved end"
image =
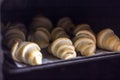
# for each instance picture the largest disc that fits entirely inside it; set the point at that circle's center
(13, 51)
(69, 56)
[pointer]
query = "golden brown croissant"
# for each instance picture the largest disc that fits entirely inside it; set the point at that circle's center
(41, 21)
(40, 28)
(63, 48)
(67, 24)
(27, 52)
(84, 40)
(41, 36)
(58, 32)
(82, 27)
(107, 39)
(14, 33)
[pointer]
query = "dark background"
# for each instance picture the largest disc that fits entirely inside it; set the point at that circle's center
(98, 13)
(1, 52)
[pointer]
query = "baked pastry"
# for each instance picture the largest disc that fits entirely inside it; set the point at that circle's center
(27, 52)
(63, 48)
(107, 39)
(87, 34)
(82, 27)
(40, 31)
(41, 36)
(14, 33)
(84, 40)
(41, 21)
(58, 32)
(85, 46)
(67, 24)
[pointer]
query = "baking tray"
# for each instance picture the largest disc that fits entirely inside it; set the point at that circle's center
(104, 66)
(98, 13)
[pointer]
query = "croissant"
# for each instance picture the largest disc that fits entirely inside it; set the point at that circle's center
(107, 39)
(39, 32)
(14, 33)
(82, 27)
(41, 21)
(84, 40)
(41, 36)
(58, 32)
(63, 48)
(27, 52)
(67, 24)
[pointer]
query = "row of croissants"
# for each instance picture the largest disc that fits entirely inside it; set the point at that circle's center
(26, 46)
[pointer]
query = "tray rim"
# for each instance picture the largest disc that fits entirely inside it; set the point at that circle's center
(61, 63)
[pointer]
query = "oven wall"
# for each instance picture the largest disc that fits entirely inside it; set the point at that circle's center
(98, 13)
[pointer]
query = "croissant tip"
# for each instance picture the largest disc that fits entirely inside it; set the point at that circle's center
(13, 51)
(38, 60)
(69, 56)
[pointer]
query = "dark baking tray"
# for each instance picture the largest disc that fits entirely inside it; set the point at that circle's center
(98, 13)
